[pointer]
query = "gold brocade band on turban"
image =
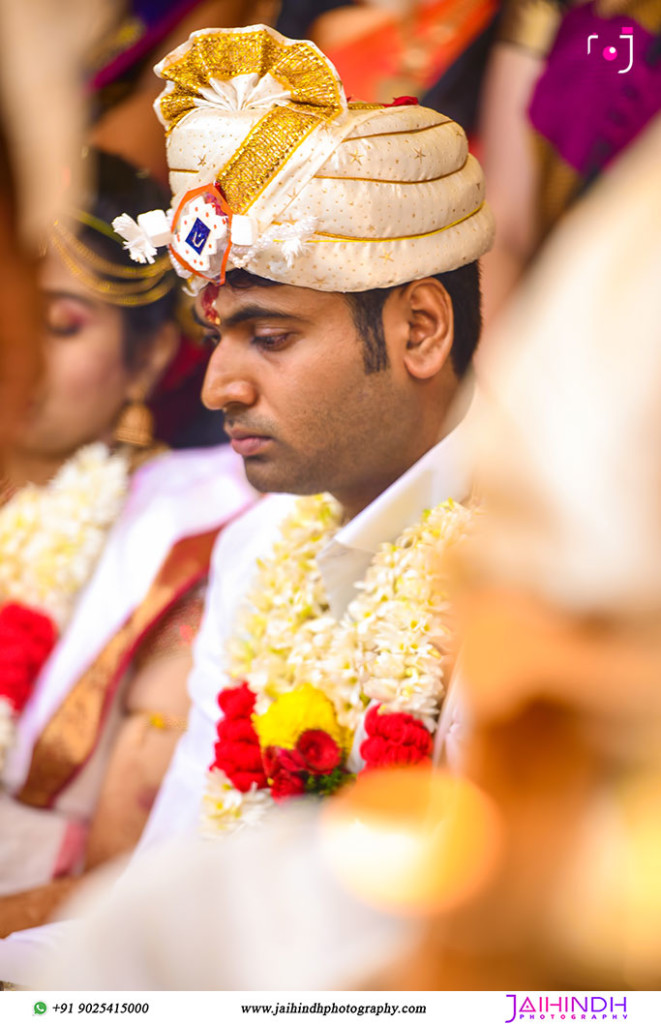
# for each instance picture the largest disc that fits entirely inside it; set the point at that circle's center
(274, 171)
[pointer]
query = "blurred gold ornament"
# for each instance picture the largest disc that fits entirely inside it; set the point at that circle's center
(135, 426)
(411, 840)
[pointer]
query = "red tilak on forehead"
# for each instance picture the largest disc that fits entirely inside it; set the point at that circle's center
(209, 296)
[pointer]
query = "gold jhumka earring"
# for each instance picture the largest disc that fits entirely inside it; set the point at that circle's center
(135, 426)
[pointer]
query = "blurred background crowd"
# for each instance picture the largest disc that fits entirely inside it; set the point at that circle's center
(545, 874)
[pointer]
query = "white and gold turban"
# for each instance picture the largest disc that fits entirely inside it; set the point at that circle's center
(273, 170)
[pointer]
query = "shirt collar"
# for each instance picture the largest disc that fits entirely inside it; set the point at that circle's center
(440, 474)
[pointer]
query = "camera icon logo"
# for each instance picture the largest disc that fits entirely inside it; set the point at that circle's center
(610, 53)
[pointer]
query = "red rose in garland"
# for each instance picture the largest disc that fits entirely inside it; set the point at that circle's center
(319, 751)
(51, 538)
(284, 782)
(237, 701)
(394, 739)
(27, 637)
(238, 753)
(313, 766)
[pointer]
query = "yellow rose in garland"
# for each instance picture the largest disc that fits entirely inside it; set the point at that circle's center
(292, 713)
(303, 746)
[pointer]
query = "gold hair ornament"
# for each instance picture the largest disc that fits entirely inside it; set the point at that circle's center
(141, 292)
(99, 225)
(92, 259)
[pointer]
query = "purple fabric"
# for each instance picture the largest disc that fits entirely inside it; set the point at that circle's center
(159, 18)
(586, 110)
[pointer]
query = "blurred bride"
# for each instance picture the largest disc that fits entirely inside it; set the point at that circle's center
(105, 541)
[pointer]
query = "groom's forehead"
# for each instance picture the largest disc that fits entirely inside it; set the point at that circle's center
(235, 305)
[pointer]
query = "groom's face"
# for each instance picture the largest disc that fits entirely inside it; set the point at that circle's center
(287, 370)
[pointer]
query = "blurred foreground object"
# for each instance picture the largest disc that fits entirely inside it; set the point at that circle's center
(561, 654)
(42, 118)
(339, 892)
(411, 841)
(19, 310)
(260, 910)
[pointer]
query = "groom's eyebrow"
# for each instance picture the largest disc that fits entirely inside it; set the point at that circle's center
(248, 313)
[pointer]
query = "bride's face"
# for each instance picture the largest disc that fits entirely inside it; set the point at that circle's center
(85, 381)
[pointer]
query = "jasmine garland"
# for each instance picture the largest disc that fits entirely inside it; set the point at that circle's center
(389, 648)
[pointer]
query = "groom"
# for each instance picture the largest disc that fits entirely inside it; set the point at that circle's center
(333, 248)
(341, 241)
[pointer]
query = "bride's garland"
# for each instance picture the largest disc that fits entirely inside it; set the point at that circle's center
(307, 679)
(50, 541)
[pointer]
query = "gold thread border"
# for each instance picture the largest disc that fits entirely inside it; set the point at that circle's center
(389, 181)
(404, 131)
(324, 237)
(69, 738)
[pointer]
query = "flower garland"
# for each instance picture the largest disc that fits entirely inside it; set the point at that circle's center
(306, 680)
(50, 541)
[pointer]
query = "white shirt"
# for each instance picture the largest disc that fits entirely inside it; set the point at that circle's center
(440, 474)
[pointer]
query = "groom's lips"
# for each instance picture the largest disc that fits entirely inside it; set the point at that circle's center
(246, 444)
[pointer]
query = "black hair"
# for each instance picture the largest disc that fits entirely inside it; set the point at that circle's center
(462, 285)
(120, 187)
